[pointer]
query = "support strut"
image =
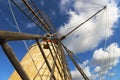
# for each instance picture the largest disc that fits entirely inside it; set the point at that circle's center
(13, 59)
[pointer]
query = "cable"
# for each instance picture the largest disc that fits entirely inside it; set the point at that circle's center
(20, 31)
(63, 37)
(27, 15)
(44, 17)
(90, 2)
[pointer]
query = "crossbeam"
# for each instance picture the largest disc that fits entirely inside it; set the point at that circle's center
(12, 36)
(13, 59)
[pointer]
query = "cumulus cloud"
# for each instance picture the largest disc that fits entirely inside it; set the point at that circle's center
(95, 30)
(77, 76)
(64, 5)
(89, 35)
(111, 74)
(106, 59)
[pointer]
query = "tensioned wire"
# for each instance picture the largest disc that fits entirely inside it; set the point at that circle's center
(92, 6)
(25, 44)
(21, 9)
(36, 15)
(95, 29)
(93, 36)
(105, 41)
(96, 33)
(105, 44)
(102, 55)
(92, 11)
(109, 22)
(44, 17)
(90, 2)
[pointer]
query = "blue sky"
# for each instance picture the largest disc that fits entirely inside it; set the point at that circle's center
(65, 14)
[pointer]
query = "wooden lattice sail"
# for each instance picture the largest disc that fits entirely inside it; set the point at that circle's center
(44, 60)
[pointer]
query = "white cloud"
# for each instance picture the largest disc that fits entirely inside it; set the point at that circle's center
(94, 31)
(106, 59)
(77, 76)
(65, 4)
(111, 74)
(97, 69)
(91, 34)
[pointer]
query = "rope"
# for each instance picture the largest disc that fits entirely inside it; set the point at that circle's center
(27, 15)
(43, 17)
(18, 28)
(110, 40)
(63, 37)
(90, 3)
(13, 16)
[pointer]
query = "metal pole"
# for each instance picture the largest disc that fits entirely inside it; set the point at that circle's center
(13, 59)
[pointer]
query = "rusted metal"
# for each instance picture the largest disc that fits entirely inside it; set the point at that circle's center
(13, 59)
(12, 36)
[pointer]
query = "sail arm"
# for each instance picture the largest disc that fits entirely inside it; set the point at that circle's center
(33, 13)
(64, 36)
(75, 63)
(12, 36)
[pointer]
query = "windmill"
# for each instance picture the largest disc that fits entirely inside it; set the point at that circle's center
(29, 8)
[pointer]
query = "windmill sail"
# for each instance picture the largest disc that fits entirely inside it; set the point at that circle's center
(29, 8)
(46, 58)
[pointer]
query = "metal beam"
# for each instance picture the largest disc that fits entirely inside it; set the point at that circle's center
(13, 59)
(12, 36)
